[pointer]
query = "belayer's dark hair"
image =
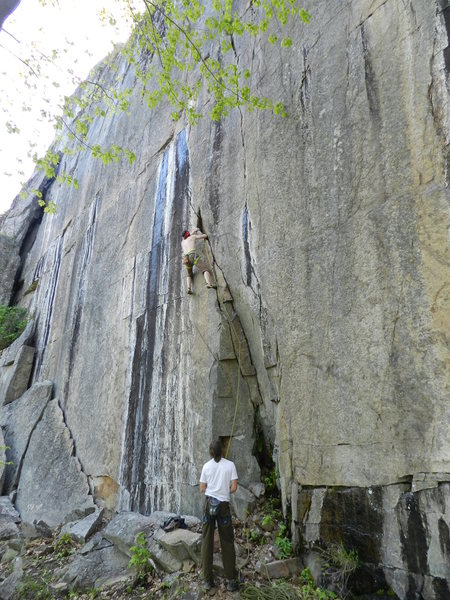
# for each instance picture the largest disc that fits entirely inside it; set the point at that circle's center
(215, 450)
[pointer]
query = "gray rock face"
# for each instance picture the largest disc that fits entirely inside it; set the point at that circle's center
(52, 484)
(15, 378)
(405, 531)
(326, 343)
(242, 503)
(18, 421)
(81, 530)
(11, 583)
(182, 543)
(96, 569)
(165, 559)
(8, 355)
(278, 569)
(124, 528)
(8, 528)
(7, 509)
(10, 264)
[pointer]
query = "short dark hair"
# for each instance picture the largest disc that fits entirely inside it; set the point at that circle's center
(215, 450)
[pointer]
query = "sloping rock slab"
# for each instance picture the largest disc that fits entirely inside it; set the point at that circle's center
(9, 585)
(7, 509)
(181, 543)
(83, 529)
(123, 529)
(281, 568)
(162, 557)
(95, 569)
(18, 420)
(8, 355)
(14, 379)
(38, 529)
(8, 528)
(51, 483)
(9, 251)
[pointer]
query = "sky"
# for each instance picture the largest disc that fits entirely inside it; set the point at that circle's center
(28, 99)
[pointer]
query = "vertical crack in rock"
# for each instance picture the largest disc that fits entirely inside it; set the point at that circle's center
(74, 450)
(81, 292)
(144, 476)
(242, 123)
(248, 264)
(446, 15)
(370, 79)
(213, 191)
(305, 97)
(36, 215)
(50, 264)
(24, 453)
(237, 393)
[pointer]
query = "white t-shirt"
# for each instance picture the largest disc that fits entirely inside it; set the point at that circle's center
(218, 476)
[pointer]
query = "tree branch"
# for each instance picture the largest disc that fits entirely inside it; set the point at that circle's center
(21, 60)
(183, 31)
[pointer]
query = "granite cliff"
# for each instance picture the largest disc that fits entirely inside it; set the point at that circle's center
(325, 347)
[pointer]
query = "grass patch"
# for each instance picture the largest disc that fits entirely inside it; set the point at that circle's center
(283, 590)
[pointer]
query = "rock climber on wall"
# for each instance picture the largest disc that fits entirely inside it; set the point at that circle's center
(191, 258)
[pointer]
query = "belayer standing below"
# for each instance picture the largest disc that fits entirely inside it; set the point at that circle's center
(191, 258)
(218, 481)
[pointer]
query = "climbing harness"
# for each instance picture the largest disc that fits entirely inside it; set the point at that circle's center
(214, 512)
(187, 262)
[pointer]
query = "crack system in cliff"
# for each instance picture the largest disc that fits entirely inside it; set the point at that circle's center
(262, 449)
(16, 479)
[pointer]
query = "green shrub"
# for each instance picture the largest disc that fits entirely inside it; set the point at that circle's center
(340, 564)
(64, 546)
(283, 543)
(12, 323)
(268, 522)
(270, 481)
(141, 560)
(254, 535)
(36, 589)
(306, 577)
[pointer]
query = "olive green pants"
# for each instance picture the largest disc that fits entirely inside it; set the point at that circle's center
(226, 536)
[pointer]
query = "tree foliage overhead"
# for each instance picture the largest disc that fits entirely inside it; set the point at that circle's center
(189, 36)
(184, 52)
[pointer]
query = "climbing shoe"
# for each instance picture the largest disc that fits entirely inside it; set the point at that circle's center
(189, 291)
(211, 286)
(232, 585)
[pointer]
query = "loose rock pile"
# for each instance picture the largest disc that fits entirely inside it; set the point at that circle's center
(90, 557)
